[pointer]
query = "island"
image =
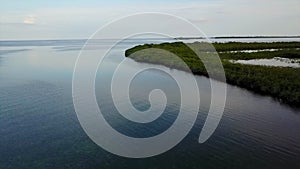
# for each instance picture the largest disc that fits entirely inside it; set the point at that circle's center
(282, 83)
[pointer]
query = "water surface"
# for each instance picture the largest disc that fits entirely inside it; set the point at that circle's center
(276, 61)
(39, 128)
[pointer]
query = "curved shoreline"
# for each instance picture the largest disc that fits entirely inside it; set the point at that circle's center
(282, 83)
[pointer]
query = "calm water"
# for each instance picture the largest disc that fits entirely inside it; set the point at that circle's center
(277, 61)
(39, 128)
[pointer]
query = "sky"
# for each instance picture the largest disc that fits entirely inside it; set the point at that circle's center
(79, 19)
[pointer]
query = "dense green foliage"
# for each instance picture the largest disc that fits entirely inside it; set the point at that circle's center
(280, 82)
(233, 46)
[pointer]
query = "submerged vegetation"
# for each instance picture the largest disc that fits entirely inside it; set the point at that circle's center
(280, 82)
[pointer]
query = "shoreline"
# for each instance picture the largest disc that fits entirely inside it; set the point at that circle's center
(282, 83)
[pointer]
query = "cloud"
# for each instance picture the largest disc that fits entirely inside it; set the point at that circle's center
(30, 19)
(219, 17)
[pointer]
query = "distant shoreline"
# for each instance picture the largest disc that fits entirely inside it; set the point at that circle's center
(176, 38)
(240, 37)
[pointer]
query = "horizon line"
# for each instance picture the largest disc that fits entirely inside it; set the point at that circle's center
(175, 38)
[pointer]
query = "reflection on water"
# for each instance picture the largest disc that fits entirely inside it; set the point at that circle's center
(252, 51)
(39, 128)
(276, 61)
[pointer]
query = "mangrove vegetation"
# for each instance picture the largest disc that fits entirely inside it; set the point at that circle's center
(282, 83)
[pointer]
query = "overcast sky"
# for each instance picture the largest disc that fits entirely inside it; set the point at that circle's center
(72, 19)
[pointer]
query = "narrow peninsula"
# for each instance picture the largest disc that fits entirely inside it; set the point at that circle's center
(283, 83)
